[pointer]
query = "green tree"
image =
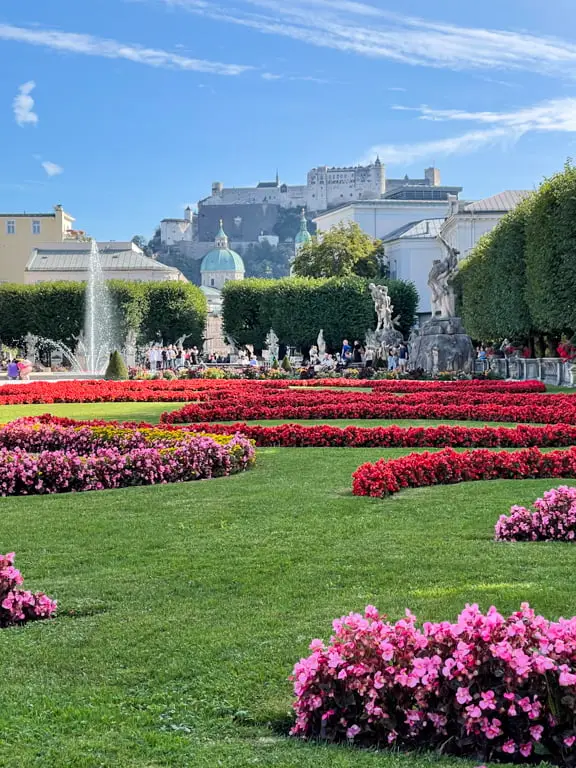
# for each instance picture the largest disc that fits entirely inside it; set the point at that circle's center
(341, 252)
(142, 243)
(266, 260)
(288, 224)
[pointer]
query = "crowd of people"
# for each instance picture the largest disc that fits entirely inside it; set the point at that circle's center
(171, 357)
(356, 354)
(18, 368)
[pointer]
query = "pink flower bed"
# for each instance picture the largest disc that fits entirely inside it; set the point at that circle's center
(552, 518)
(488, 686)
(17, 605)
(39, 458)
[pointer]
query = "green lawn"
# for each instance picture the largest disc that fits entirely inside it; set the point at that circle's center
(184, 607)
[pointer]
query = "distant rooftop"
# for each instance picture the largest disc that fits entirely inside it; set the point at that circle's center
(73, 257)
(501, 203)
(416, 229)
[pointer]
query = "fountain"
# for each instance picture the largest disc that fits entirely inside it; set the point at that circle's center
(98, 317)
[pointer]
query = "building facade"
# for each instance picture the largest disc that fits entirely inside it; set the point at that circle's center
(20, 233)
(120, 261)
(378, 218)
(176, 231)
(467, 222)
(410, 252)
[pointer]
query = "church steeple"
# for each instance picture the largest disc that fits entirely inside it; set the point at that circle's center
(221, 240)
(303, 235)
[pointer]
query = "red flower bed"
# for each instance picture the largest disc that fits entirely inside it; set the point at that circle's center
(246, 405)
(488, 686)
(193, 389)
(325, 436)
(417, 470)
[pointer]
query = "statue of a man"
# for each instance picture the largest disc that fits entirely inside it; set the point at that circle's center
(383, 306)
(439, 280)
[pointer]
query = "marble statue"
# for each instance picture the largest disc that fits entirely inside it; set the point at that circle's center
(272, 344)
(383, 306)
(439, 280)
(321, 344)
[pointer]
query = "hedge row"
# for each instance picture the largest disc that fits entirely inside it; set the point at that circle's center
(55, 310)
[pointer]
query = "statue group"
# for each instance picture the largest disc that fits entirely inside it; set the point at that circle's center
(442, 344)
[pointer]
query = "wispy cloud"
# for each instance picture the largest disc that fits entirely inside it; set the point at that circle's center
(23, 105)
(557, 115)
(52, 169)
(366, 30)
(305, 78)
(112, 49)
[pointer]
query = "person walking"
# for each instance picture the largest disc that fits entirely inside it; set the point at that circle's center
(403, 356)
(357, 352)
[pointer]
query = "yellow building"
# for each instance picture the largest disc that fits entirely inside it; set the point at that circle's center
(20, 233)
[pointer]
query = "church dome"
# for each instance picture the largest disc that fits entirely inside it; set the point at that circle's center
(222, 258)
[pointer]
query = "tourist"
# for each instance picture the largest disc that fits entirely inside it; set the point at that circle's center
(391, 359)
(194, 355)
(403, 356)
(25, 369)
(327, 363)
(357, 352)
(346, 353)
(253, 362)
(171, 357)
(12, 370)
(151, 358)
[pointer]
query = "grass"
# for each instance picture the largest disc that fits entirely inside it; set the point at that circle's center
(184, 607)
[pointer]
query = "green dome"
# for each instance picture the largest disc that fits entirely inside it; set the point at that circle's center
(303, 235)
(222, 260)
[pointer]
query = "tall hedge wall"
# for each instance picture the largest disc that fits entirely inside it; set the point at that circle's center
(297, 307)
(520, 280)
(56, 310)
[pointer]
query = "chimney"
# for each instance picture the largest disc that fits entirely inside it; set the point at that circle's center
(217, 188)
(188, 215)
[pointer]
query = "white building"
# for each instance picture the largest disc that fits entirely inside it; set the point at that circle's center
(176, 231)
(378, 218)
(120, 261)
(327, 187)
(410, 252)
(467, 222)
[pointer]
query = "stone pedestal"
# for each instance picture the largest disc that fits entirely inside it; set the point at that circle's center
(442, 345)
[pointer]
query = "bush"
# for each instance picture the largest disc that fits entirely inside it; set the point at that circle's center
(18, 606)
(487, 687)
(552, 518)
(286, 364)
(116, 370)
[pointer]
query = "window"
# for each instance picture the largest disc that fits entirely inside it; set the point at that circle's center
(10, 227)
(212, 282)
(35, 227)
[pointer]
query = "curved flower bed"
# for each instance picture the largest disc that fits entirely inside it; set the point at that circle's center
(322, 435)
(384, 478)
(42, 458)
(17, 605)
(552, 409)
(192, 389)
(552, 518)
(487, 686)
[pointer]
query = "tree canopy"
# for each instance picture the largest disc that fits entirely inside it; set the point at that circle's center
(343, 251)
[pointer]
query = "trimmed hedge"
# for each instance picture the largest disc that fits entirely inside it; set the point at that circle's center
(55, 310)
(297, 307)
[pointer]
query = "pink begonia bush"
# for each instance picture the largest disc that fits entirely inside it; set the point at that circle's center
(19, 605)
(552, 518)
(487, 687)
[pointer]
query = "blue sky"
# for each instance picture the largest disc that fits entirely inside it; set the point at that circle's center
(125, 111)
